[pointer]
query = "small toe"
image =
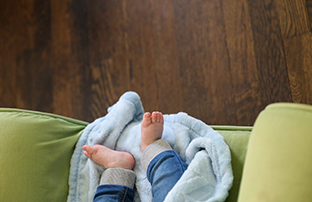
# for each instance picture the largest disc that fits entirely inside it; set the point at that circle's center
(86, 147)
(87, 154)
(147, 115)
(161, 118)
(154, 117)
(157, 117)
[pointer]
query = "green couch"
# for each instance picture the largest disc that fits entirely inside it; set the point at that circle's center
(36, 149)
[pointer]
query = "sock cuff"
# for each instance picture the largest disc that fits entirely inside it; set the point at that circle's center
(152, 150)
(118, 176)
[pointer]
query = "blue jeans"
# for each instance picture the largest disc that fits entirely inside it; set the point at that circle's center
(113, 193)
(163, 172)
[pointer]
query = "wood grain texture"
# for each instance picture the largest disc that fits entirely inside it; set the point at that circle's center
(9, 37)
(269, 52)
(299, 59)
(294, 18)
(167, 51)
(309, 9)
(220, 61)
(243, 64)
(204, 72)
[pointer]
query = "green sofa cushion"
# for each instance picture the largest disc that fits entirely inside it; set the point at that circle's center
(35, 155)
(278, 164)
(37, 147)
(236, 138)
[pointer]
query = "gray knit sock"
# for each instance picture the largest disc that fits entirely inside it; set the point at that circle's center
(152, 150)
(118, 176)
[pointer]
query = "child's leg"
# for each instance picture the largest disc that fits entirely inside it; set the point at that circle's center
(163, 166)
(118, 179)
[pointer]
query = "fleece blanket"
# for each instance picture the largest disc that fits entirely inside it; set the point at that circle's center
(208, 177)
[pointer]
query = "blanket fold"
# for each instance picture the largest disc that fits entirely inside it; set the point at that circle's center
(208, 177)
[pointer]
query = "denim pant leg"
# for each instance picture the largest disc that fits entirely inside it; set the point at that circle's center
(114, 193)
(163, 172)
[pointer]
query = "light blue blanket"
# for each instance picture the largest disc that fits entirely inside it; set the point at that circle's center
(208, 177)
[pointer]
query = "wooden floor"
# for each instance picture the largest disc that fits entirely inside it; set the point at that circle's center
(221, 61)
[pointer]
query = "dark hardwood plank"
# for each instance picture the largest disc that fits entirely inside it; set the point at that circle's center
(248, 98)
(240, 42)
(270, 58)
(241, 49)
(293, 15)
(34, 85)
(32, 81)
(70, 49)
(80, 51)
(125, 41)
(14, 37)
(166, 53)
(299, 61)
(309, 9)
(7, 83)
(204, 61)
(108, 48)
(139, 53)
(64, 63)
(35, 64)
(219, 61)
(103, 89)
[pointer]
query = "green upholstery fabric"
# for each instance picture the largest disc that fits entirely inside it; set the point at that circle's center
(35, 155)
(237, 138)
(36, 149)
(278, 164)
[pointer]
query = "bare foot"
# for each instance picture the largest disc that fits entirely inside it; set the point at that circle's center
(109, 158)
(151, 128)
